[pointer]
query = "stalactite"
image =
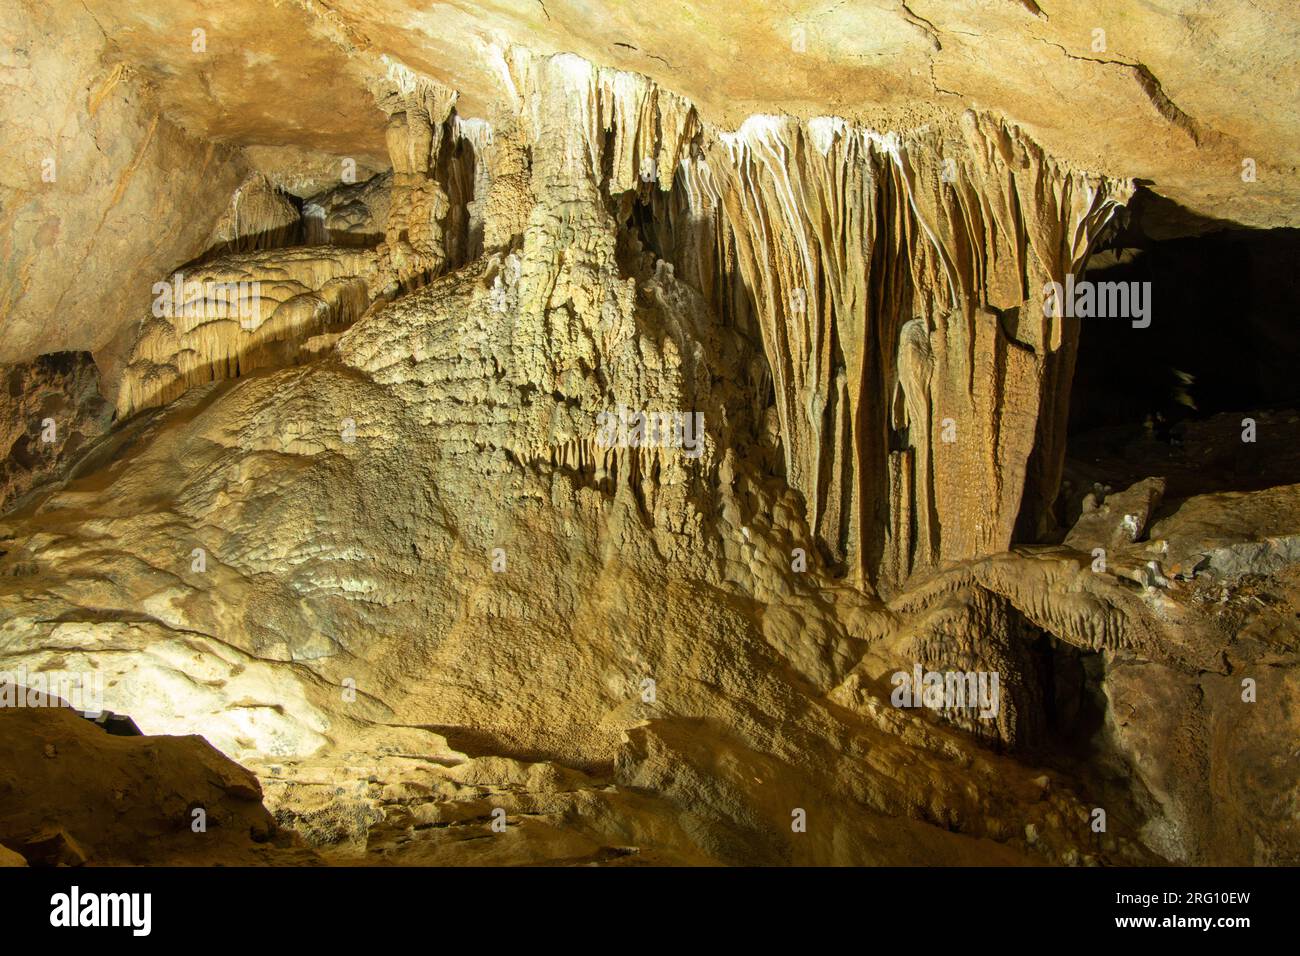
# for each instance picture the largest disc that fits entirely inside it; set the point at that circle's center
(848, 237)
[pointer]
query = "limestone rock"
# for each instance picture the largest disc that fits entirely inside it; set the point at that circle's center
(51, 412)
(9, 858)
(1234, 533)
(239, 313)
(127, 800)
(551, 448)
(259, 217)
(349, 214)
(1120, 518)
(99, 178)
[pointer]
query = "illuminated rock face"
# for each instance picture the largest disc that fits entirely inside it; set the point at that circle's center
(920, 387)
(239, 313)
(650, 480)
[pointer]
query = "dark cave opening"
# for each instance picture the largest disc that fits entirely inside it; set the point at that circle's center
(1073, 705)
(1223, 335)
(1179, 397)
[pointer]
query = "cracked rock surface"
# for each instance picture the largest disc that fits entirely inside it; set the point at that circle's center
(362, 505)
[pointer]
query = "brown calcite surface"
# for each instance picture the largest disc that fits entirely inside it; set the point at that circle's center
(1128, 89)
(75, 795)
(52, 413)
(578, 433)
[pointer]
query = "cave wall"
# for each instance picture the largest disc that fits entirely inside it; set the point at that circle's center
(409, 499)
(893, 281)
(129, 193)
(898, 283)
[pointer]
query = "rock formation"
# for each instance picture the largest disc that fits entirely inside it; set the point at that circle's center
(53, 410)
(75, 795)
(521, 439)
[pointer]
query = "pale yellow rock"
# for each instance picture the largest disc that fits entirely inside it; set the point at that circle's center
(9, 858)
(382, 529)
